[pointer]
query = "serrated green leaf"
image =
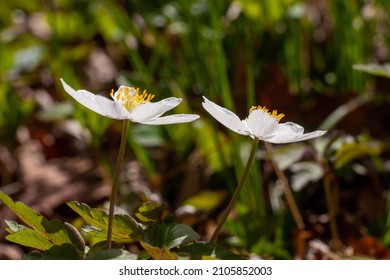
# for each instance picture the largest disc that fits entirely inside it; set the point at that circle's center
(125, 224)
(30, 238)
(159, 253)
(150, 212)
(95, 217)
(125, 228)
(54, 231)
(169, 235)
(25, 213)
(112, 254)
(200, 250)
(57, 252)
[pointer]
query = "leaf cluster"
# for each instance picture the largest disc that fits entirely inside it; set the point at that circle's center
(158, 235)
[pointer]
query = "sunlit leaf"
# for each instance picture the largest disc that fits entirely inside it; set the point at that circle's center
(54, 231)
(30, 238)
(125, 228)
(150, 212)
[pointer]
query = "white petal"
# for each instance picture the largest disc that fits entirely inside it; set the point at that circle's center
(261, 124)
(112, 109)
(84, 97)
(292, 132)
(152, 110)
(225, 117)
(171, 119)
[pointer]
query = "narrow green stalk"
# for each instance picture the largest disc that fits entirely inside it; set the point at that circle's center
(114, 189)
(236, 192)
(287, 191)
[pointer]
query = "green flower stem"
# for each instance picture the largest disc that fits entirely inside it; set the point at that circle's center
(236, 192)
(287, 191)
(114, 189)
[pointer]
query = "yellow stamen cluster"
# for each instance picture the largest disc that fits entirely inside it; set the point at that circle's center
(273, 114)
(130, 97)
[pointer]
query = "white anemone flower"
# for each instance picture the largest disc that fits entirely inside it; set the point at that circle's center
(128, 103)
(261, 124)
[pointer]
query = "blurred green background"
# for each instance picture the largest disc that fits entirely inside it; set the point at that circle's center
(291, 55)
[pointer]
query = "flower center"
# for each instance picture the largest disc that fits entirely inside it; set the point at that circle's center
(130, 97)
(273, 114)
